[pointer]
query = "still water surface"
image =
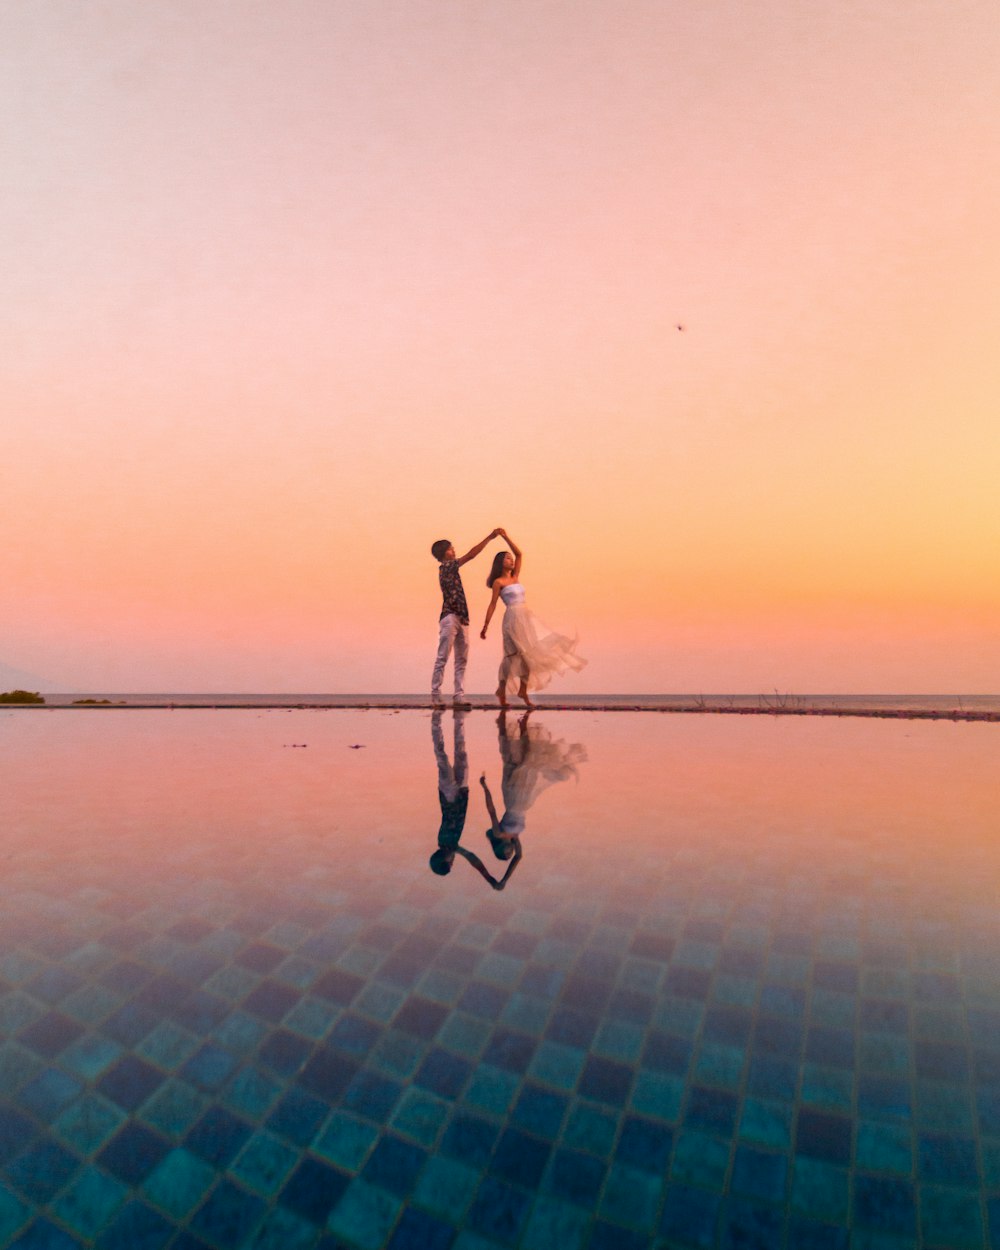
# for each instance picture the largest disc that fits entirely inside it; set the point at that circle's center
(740, 986)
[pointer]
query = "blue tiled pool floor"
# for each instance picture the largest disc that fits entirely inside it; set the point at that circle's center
(691, 1049)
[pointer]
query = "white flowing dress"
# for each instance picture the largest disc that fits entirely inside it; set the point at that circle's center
(532, 652)
(533, 761)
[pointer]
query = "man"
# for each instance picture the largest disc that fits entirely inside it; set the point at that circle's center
(453, 624)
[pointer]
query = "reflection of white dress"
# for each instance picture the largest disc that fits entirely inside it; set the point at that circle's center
(532, 762)
(531, 651)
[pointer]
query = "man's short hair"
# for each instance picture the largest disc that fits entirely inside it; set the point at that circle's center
(439, 548)
(440, 862)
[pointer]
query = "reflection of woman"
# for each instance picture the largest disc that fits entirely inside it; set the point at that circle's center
(532, 761)
(532, 653)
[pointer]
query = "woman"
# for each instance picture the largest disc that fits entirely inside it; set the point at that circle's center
(532, 653)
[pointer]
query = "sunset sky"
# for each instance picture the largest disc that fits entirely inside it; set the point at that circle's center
(699, 300)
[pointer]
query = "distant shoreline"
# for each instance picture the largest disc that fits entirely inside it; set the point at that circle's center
(892, 707)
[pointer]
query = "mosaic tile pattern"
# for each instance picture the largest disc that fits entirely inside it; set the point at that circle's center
(691, 1051)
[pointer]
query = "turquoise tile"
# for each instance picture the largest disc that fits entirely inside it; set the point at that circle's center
(380, 1001)
(734, 991)
(91, 1004)
(839, 946)
(18, 966)
(89, 1123)
(174, 1108)
(446, 1187)
(619, 1040)
(768, 1123)
(830, 1088)
(240, 1032)
(13, 1215)
(442, 986)
(264, 1163)
(91, 959)
(645, 975)
(788, 969)
(468, 1240)
(557, 1065)
(478, 935)
(884, 1148)
(945, 1024)
(886, 983)
(17, 1065)
(526, 1013)
(682, 1016)
(168, 1046)
(287, 934)
(360, 960)
(223, 943)
(945, 1106)
(989, 1149)
(631, 1197)
(90, 1201)
(398, 1054)
(832, 1008)
(700, 1159)
(884, 1055)
(591, 1129)
(365, 1215)
(689, 954)
(755, 937)
(281, 1229)
(232, 982)
(491, 1089)
(949, 1217)
(312, 1017)
(49, 1093)
(720, 1065)
(252, 1092)
(819, 1189)
(17, 1011)
(501, 969)
(420, 1116)
(555, 1224)
(658, 1095)
(179, 1183)
(296, 972)
(346, 1141)
(465, 1034)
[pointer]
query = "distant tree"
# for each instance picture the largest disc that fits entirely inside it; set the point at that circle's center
(21, 696)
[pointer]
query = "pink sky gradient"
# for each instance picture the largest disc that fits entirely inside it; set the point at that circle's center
(291, 291)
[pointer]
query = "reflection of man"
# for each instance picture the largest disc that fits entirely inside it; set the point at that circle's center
(453, 792)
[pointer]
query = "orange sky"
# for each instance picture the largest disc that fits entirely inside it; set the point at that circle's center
(289, 292)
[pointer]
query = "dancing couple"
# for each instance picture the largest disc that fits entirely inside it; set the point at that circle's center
(532, 653)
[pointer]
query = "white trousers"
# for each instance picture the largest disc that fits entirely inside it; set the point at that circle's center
(451, 633)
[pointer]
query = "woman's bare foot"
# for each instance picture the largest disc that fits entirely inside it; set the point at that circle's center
(523, 694)
(501, 694)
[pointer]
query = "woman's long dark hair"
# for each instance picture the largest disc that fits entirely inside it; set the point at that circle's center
(497, 569)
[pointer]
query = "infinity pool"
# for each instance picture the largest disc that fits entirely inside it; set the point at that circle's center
(702, 981)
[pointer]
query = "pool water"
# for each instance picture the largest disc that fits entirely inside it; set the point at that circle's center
(740, 986)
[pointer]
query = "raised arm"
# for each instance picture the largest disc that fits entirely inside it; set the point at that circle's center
(490, 610)
(516, 572)
(489, 806)
(474, 551)
(511, 866)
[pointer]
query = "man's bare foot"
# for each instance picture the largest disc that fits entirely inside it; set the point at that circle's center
(523, 694)
(501, 694)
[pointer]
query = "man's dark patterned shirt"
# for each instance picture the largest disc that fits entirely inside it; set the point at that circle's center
(452, 591)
